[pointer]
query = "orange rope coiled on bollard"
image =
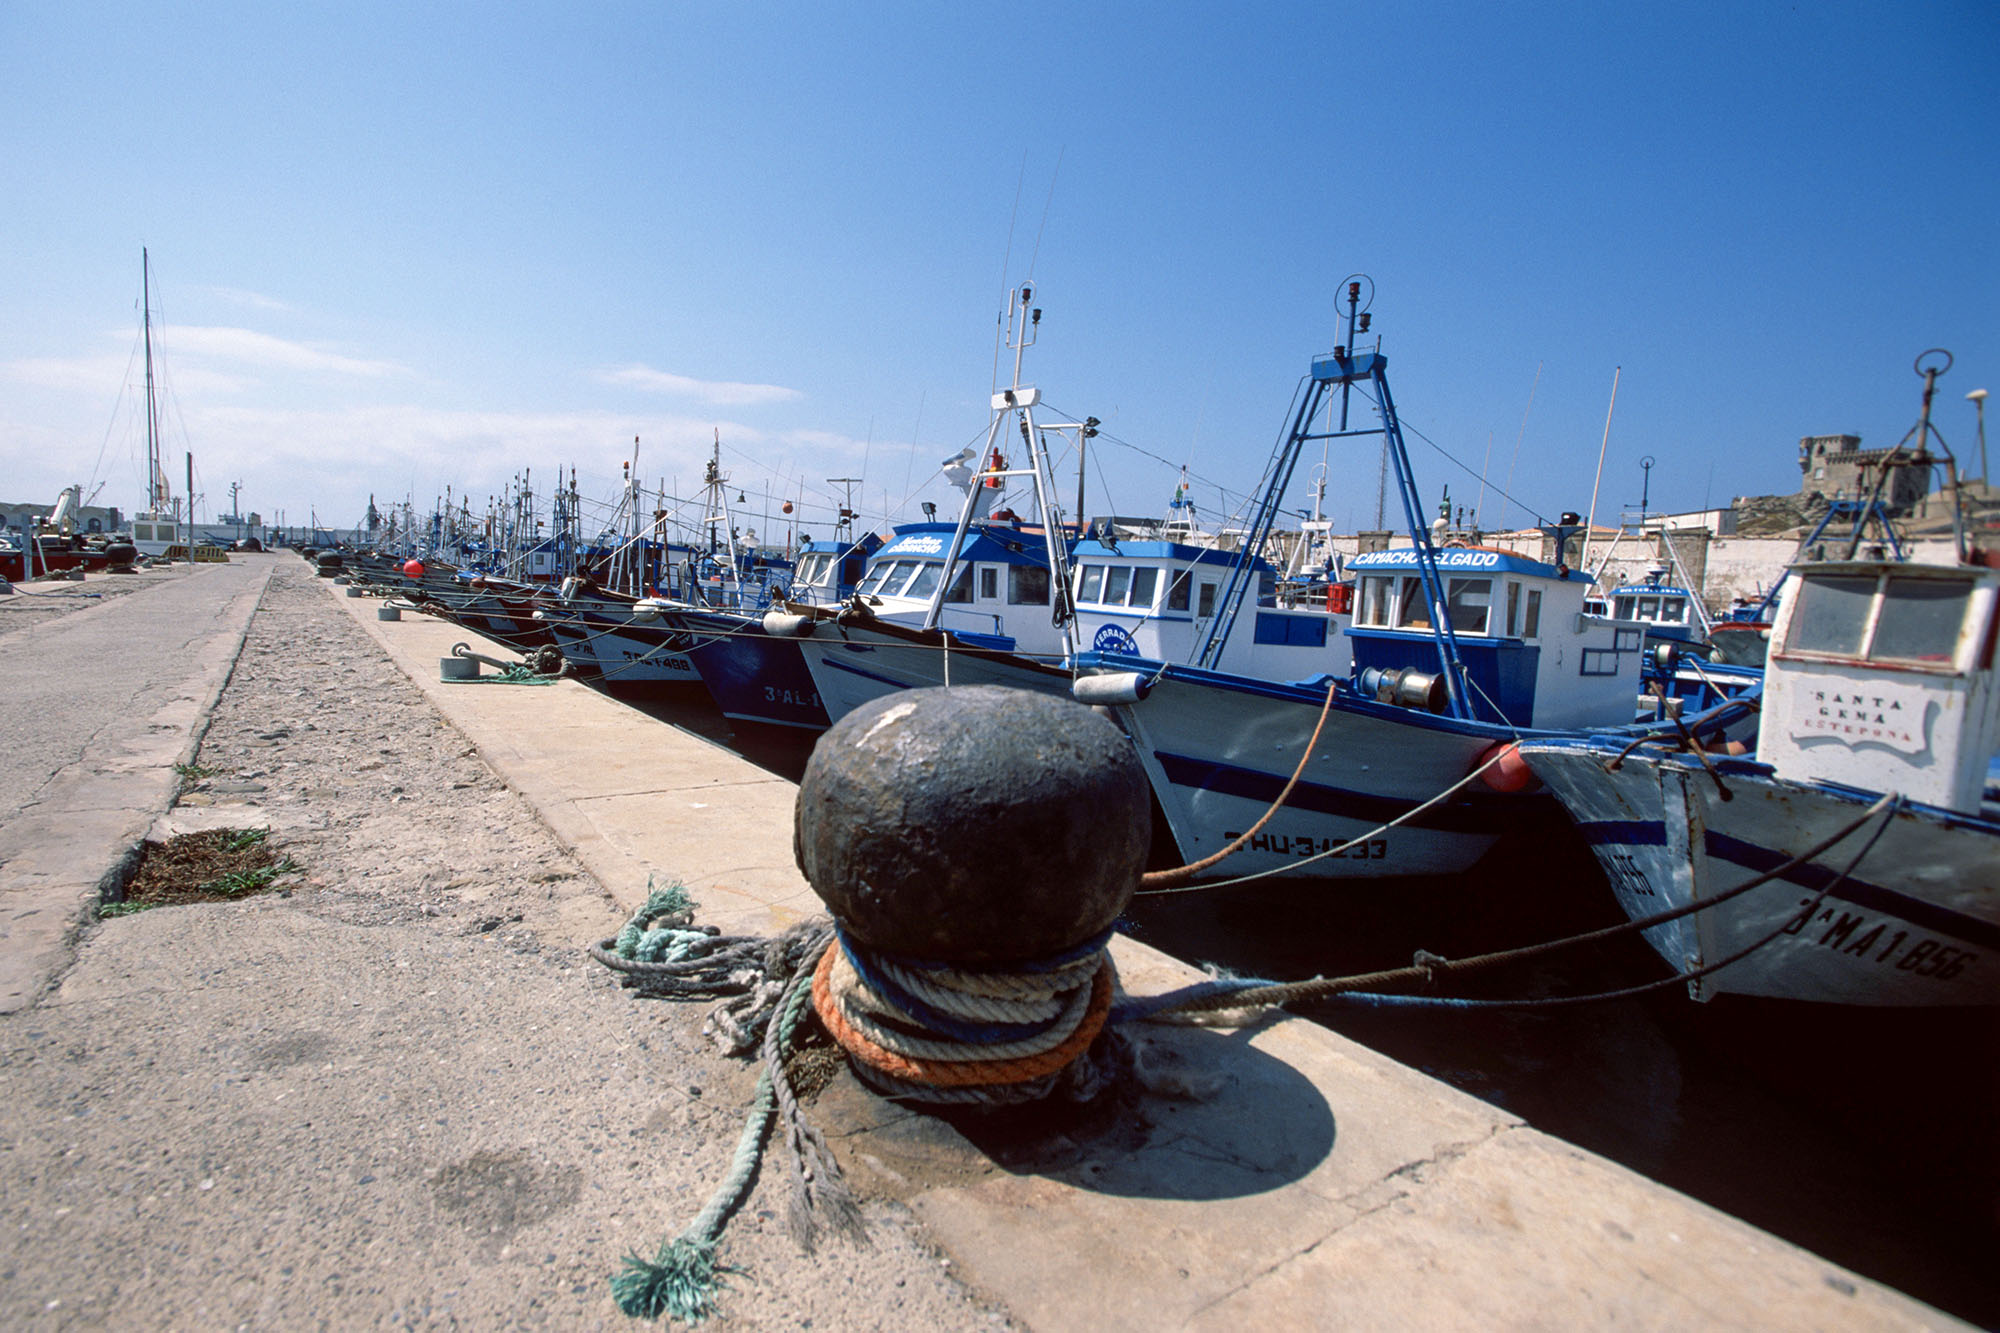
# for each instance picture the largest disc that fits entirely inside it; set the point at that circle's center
(958, 1073)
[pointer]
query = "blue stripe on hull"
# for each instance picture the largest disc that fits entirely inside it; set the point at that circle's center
(1812, 876)
(1491, 815)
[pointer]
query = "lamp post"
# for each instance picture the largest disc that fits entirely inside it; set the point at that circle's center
(1978, 399)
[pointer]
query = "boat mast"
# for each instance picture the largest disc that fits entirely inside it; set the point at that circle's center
(154, 478)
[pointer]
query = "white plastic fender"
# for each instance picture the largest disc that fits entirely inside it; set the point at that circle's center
(1111, 687)
(785, 625)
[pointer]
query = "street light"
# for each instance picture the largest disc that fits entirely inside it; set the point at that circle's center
(1978, 399)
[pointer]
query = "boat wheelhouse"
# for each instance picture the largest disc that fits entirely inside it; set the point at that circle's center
(1531, 657)
(1158, 598)
(1667, 612)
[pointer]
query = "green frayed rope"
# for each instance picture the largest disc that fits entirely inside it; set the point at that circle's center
(513, 675)
(682, 1277)
(672, 902)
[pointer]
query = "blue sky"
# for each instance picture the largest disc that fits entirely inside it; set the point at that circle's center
(398, 247)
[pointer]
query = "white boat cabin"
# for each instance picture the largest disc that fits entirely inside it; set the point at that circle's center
(1666, 611)
(1533, 657)
(1157, 599)
(999, 596)
(1881, 677)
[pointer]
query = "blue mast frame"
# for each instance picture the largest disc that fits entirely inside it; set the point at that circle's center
(1348, 371)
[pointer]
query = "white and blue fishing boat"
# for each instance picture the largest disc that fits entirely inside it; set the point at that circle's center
(1456, 654)
(1871, 802)
(995, 601)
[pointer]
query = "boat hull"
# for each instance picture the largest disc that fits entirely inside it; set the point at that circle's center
(620, 650)
(1917, 922)
(1219, 751)
(754, 676)
(854, 664)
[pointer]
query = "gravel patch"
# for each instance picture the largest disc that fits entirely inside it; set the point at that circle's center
(393, 1091)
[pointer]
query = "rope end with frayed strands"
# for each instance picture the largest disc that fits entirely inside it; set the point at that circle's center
(679, 1281)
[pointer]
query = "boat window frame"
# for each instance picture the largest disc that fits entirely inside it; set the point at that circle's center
(1866, 648)
(1457, 585)
(1411, 602)
(1372, 601)
(1090, 583)
(1018, 575)
(1177, 590)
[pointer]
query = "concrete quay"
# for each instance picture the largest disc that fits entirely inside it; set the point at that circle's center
(1324, 1187)
(1321, 1186)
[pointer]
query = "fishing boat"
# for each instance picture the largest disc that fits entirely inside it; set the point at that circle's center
(998, 600)
(1457, 653)
(756, 675)
(1856, 858)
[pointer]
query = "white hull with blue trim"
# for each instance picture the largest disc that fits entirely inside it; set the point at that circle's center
(1219, 749)
(1917, 921)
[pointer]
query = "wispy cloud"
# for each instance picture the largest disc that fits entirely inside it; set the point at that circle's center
(722, 393)
(249, 347)
(255, 300)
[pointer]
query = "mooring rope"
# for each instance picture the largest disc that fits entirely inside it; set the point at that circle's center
(1243, 993)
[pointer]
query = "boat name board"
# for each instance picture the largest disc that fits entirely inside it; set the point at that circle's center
(1445, 559)
(921, 544)
(1898, 719)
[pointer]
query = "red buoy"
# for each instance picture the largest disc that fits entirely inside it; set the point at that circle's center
(413, 568)
(1510, 773)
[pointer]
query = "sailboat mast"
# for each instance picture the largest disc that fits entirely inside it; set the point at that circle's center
(153, 476)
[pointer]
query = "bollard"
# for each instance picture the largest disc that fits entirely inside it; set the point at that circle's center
(389, 613)
(457, 668)
(975, 825)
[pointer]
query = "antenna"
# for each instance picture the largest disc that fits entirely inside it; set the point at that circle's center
(846, 521)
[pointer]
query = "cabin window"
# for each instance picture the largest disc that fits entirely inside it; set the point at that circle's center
(850, 569)
(878, 577)
(1413, 611)
(1374, 602)
(1513, 608)
(1531, 625)
(1177, 591)
(961, 587)
(989, 583)
(1267, 584)
(1831, 615)
(1625, 609)
(1649, 608)
(1919, 621)
(1467, 601)
(926, 581)
(1117, 584)
(1673, 611)
(1090, 587)
(1205, 603)
(1027, 585)
(1144, 581)
(1599, 662)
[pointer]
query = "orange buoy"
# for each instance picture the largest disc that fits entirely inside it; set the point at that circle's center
(413, 568)
(1510, 772)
